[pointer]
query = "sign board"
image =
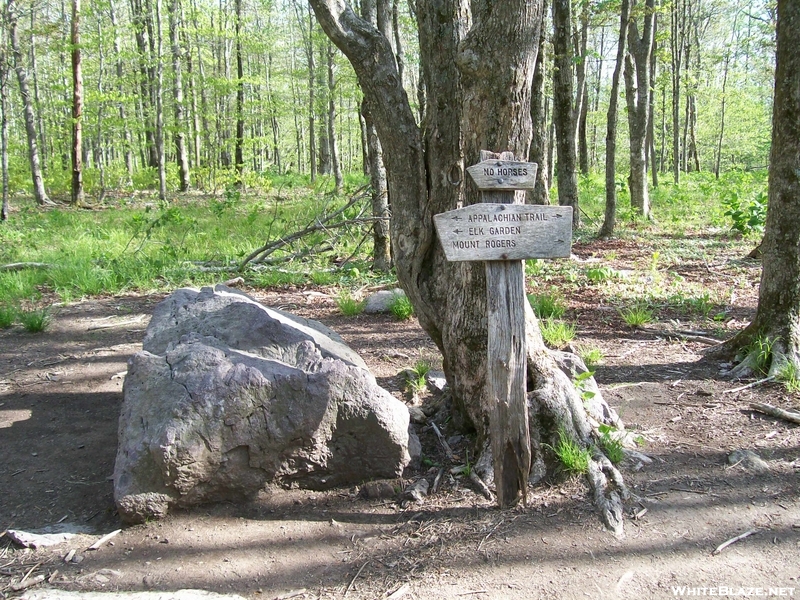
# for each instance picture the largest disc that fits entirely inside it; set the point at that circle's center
(505, 231)
(503, 175)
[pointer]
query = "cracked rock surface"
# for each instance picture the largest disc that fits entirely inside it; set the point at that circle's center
(229, 396)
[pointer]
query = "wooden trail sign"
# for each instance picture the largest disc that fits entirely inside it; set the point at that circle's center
(504, 232)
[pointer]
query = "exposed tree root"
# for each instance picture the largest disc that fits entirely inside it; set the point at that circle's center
(556, 406)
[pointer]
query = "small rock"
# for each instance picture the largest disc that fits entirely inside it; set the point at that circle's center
(749, 460)
(417, 415)
(381, 302)
(437, 381)
(379, 490)
(417, 491)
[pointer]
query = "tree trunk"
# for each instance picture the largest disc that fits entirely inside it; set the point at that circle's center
(610, 219)
(4, 133)
(181, 153)
(39, 193)
(336, 167)
(77, 106)
(120, 72)
(650, 142)
(564, 115)
(777, 321)
(677, 24)
(478, 84)
(238, 153)
(539, 138)
(637, 95)
(157, 57)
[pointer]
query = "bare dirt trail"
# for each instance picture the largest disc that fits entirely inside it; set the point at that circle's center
(60, 394)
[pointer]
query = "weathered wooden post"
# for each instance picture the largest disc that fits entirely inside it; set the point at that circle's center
(503, 231)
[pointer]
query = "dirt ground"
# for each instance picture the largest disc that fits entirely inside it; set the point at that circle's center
(60, 395)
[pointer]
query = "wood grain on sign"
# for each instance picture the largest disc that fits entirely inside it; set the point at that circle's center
(492, 231)
(503, 175)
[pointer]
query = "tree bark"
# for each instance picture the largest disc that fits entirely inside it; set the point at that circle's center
(238, 154)
(157, 57)
(677, 28)
(478, 83)
(4, 133)
(539, 152)
(77, 106)
(777, 320)
(564, 116)
(637, 95)
(610, 218)
(336, 167)
(120, 72)
(39, 193)
(181, 152)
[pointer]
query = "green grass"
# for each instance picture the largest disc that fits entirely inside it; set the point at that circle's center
(349, 306)
(611, 446)
(547, 306)
(35, 320)
(144, 246)
(400, 306)
(417, 377)
(557, 334)
(573, 458)
(8, 316)
(789, 375)
(591, 356)
(636, 316)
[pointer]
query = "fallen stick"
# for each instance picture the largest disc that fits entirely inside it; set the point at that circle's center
(773, 411)
(733, 540)
(25, 265)
(103, 540)
(475, 478)
(447, 450)
(23, 585)
(750, 385)
(352, 581)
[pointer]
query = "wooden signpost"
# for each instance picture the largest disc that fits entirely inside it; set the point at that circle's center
(504, 232)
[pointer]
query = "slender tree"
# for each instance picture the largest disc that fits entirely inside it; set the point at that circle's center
(4, 131)
(239, 149)
(77, 106)
(637, 95)
(181, 153)
(610, 218)
(539, 135)
(28, 113)
(565, 116)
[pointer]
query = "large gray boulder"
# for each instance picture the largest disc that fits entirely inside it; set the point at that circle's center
(235, 319)
(203, 420)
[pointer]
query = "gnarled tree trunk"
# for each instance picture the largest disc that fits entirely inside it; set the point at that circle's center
(478, 60)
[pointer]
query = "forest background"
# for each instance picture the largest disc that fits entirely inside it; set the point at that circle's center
(229, 122)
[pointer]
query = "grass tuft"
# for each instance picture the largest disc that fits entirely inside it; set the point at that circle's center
(7, 317)
(557, 334)
(637, 315)
(36, 320)
(611, 446)
(349, 306)
(547, 306)
(401, 307)
(572, 457)
(417, 376)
